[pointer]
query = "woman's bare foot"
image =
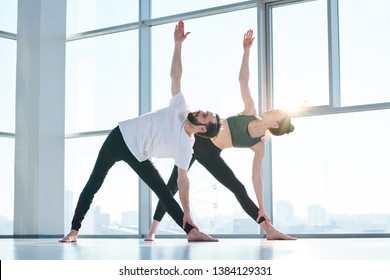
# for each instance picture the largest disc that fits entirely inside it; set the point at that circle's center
(71, 237)
(196, 235)
(274, 234)
(150, 237)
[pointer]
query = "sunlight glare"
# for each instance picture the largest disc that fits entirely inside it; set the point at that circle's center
(294, 107)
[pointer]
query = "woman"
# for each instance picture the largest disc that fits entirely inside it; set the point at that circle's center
(245, 130)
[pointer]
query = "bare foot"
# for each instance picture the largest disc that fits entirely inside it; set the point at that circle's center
(71, 237)
(196, 235)
(150, 237)
(277, 235)
(152, 232)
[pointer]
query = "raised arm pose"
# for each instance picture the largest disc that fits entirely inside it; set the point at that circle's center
(166, 133)
(245, 130)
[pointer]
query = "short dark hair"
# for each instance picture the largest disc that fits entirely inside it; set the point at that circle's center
(284, 126)
(212, 128)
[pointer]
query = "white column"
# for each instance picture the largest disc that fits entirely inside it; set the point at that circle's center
(40, 110)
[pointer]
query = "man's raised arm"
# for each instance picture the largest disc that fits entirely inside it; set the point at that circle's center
(176, 67)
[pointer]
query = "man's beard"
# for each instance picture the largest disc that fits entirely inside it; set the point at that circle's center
(191, 117)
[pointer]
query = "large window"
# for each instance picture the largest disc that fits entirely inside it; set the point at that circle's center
(8, 22)
(102, 81)
(8, 15)
(7, 147)
(300, 55)
(101, 90)
(209, 82)
(161, 8)
(329, 176)
(7, 84)
(89, 15)
(364, 51)
(115, 207)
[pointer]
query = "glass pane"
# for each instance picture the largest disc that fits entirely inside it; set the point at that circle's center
(210, 70)
(88, 15)
(161, 8)
(7, 85)
(7, 159)
(364, 51)
(209, 82)
(8, 15)
(115, 207)
(300, 55)
(329, 176)
(101, 81)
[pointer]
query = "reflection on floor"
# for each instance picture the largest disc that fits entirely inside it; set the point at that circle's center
(180, 249)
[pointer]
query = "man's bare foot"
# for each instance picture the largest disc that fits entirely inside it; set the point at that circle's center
(196, 235)
(152, 232)
(71, 237)
(150, 237)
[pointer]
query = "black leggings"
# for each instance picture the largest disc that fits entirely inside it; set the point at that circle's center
(114, 149)
(207, 154)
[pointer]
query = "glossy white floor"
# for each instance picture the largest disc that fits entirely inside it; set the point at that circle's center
(180, 249)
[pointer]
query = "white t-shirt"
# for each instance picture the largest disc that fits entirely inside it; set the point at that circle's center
(161, 134)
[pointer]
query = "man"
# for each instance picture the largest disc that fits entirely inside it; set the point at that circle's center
(166, 133)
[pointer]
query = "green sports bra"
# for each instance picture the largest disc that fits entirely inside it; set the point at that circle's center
(239, 131)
